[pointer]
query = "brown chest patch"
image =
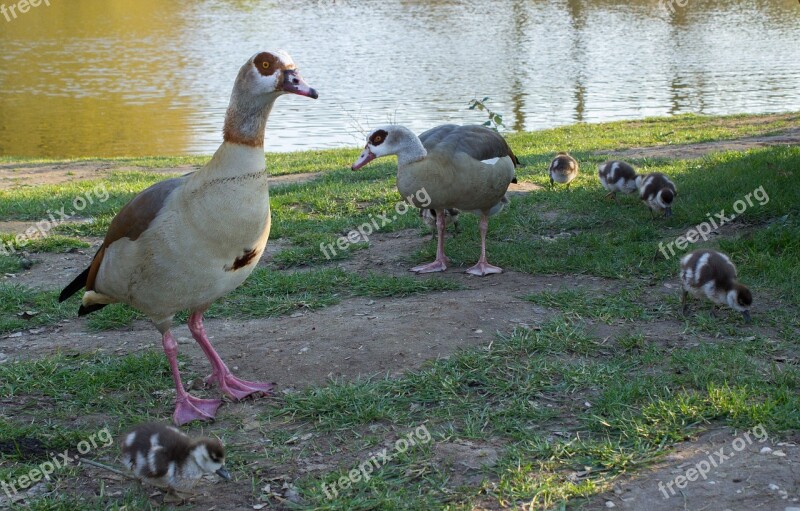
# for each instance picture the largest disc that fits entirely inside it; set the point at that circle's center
(243, 260)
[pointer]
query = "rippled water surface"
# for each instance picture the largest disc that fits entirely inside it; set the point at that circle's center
(144, 77)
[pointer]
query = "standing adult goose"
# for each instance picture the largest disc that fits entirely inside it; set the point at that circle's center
(464, 167)
(185, 242)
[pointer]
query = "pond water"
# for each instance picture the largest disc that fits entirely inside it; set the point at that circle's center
(146, 77)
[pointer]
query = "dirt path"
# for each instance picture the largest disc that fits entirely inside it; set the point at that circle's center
(14, 175)
(693, 151)
(358, 336)
(308, 347)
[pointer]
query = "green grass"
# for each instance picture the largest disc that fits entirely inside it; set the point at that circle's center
(624, 305)
(49, 394)
(10, 264)
(618, 401)
(622, 241)
(22, 307)
(90, 383)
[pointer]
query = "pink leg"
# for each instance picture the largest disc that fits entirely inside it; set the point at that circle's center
(483, 267)
(187, 408)
(440, 264)
(232, 386)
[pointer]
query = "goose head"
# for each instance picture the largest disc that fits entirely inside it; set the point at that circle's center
(387, 140)
(261, 79)
(272, 72)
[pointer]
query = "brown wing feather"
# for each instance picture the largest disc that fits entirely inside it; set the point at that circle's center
(131, 221)
(478, 142)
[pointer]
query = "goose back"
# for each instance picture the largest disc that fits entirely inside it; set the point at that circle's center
(454, 174)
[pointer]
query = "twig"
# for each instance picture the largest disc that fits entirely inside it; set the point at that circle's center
(355, 125)
(106, 467)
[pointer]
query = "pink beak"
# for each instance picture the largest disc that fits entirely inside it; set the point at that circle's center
(294, 83)
(366, 157)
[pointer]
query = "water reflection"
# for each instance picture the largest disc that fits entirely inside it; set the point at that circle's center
(105, 77)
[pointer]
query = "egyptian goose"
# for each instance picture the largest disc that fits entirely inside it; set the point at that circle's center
(657, 191)
(450, 217)
(617, 176)
(711, 274)
(464, 167)
(185, 242)
(563, 169)
(165, 457)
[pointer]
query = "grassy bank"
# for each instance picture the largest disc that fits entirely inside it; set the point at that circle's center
(564, 407)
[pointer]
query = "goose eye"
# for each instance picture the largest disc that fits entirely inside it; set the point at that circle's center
(265, 64)
(378, 137)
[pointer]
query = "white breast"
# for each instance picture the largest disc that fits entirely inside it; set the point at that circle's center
(184, 259)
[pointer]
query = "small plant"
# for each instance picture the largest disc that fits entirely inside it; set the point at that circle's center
(495, 121)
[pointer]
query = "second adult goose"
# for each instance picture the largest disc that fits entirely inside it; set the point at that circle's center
(464, 167)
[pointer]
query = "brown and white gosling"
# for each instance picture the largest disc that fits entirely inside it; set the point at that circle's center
(617, 176)
(450, 218)
(658, 192)
(165, 457)
(711, 274)
(563, 169)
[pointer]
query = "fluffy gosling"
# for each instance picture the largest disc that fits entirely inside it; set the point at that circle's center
(617, 176)
(563, 169)
(711, 274)
(658, 192)
(450, 218)
(166, 457)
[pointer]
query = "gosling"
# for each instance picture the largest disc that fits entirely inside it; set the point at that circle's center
(166, 457)
(617, 176)
(450, 218)
(563, 169)
(711, 274)
(658, 192)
